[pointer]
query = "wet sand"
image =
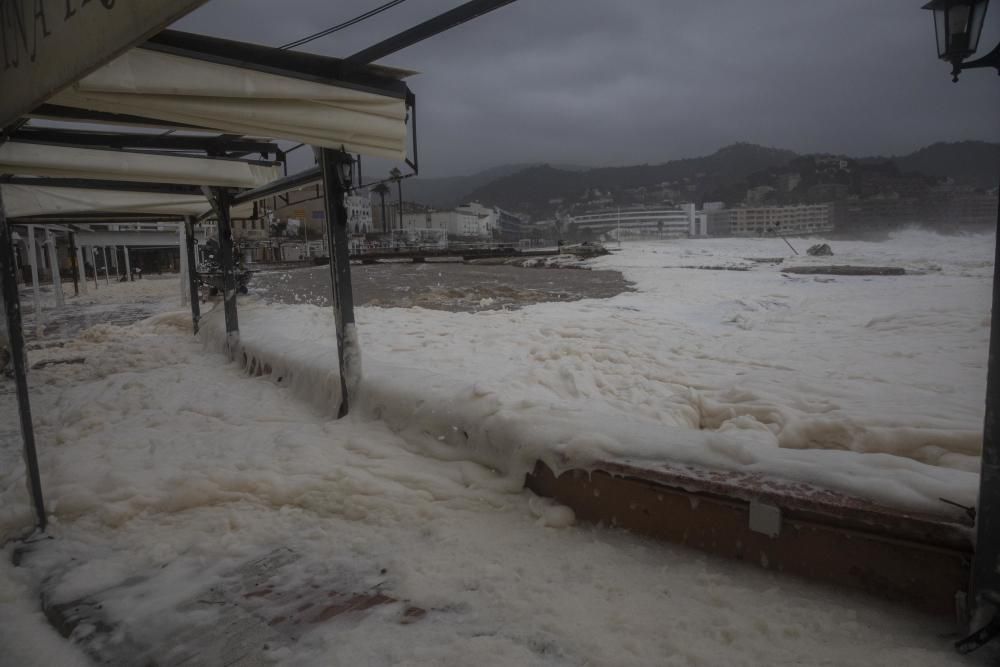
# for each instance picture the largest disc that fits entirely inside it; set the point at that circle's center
(442, 285)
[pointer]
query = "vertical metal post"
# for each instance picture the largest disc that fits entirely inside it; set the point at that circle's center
(399, 188)
(305, 236)
(128, 264)
(37, 297)
(985, 594)
(192, 272)
(93, 263)
(18, 263)
(385, 219)
(74, 255)
(15, 336)
(50, 243)
(114, 262)
(104, 258)
(334, 189)
(221, 200)
(182, 260)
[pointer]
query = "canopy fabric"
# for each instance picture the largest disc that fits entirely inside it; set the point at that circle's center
(29, 159)
(21, 201)
(231, 99)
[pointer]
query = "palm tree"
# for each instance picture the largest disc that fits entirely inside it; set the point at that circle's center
(382, 190)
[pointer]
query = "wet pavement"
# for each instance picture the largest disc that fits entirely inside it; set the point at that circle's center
(71, 319)
(111, 303)
(448, 286)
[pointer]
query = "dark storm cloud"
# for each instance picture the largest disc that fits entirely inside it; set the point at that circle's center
(617, 82)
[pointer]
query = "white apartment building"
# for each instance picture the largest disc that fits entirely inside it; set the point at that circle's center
(457, 222)
(679, 222)
(488, 218)
(359, 214)
(763, 220)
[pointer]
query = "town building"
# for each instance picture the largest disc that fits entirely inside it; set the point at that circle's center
(509, 227)
(487, 227)
(302, 214)
(945, 211)
(540, 232)
(455, 223)
(678, 222)
(250, 229)
(764, 220)
(498, 224)
(308, 209)
(305, 206)
(359, 214)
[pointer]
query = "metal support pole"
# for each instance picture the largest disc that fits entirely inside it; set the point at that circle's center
(128, 264)
(434, 26)
(114, 262)
(985, 594)
(104, 258)
(50, 243)
(399, 188)
(15, 336)
(221, 200)
(188, 250)
(33, 251)
(74, 254)
(348, 352)
(93, 263)
(183, 261)
(18, 265)
(385, 219)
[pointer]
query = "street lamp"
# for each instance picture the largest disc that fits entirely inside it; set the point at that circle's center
(957, 27)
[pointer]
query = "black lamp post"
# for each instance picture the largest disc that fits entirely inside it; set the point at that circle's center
(957, 27)
(397, 176)
(958, 24)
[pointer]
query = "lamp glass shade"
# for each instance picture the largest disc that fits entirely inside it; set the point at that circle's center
(346, 167)
(957, 26)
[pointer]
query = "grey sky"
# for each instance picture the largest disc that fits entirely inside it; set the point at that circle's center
(605, 82)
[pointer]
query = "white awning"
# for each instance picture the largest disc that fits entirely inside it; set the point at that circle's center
(28, 159)
(231, 99)
(27, 200)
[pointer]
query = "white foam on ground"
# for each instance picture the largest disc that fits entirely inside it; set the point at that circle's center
(164, 461)
(869, 386)
(28, 639)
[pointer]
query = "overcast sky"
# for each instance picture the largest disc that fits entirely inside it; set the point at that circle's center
(613, 82)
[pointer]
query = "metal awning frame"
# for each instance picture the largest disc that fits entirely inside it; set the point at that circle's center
(222, 146)
(325, 70)
(334, 165)
(97, 184)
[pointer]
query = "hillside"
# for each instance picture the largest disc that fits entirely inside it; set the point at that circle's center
(451, 191)
(726, 175)
(536, 190)
(445, 192)
(975, 163)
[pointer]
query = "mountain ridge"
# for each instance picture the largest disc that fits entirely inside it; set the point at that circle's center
(536, 188)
